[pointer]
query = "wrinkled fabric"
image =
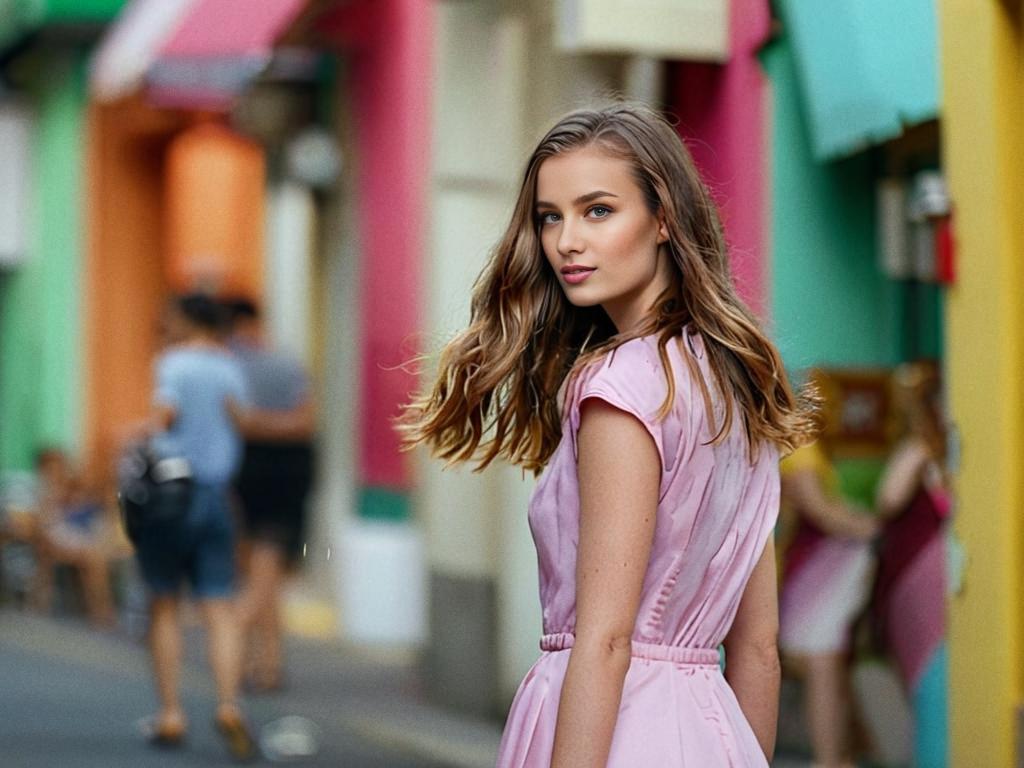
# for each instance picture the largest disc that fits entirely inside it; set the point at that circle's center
(715, 513)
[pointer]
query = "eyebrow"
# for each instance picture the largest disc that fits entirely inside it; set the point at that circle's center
(581, 200)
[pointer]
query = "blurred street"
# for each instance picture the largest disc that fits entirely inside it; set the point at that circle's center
(73, 697)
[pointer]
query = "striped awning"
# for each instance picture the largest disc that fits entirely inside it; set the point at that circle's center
(198, 54)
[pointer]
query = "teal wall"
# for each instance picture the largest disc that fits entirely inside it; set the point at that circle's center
(830, 303)
(40, 301)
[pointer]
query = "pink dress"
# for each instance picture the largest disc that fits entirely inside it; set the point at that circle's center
(715, 514)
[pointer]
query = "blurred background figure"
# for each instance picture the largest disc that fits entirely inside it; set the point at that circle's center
(908, 601)
(827, 568)
(196, 380)
(273, 486)
(77, 531)
(19, 529)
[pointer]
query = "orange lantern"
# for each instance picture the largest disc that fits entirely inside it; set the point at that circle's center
(216, 181)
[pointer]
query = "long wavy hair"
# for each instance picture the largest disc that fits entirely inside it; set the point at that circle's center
(497, 384)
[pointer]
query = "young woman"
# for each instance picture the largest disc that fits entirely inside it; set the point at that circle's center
(608, 348)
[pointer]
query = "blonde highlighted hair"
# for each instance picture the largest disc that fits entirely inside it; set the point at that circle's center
(496, 391)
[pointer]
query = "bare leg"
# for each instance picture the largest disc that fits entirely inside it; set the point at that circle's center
(42, 583)
(223, 650)
(94, 570)
(99, 603)
(260, 609)
(827, 709)
(165, 640)
(271, 670)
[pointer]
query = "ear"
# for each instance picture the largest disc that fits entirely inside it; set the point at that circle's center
(662, 228)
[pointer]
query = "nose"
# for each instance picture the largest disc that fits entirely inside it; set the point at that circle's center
(570, 239)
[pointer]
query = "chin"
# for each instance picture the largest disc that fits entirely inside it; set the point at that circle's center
(582, 297)
(583, 302)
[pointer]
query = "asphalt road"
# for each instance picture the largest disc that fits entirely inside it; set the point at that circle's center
(73, 697)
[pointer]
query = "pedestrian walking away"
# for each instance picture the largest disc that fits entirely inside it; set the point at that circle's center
(608, 351)
(198, 386)
(273, 486)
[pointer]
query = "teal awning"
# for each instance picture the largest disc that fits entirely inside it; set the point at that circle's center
(867, 68)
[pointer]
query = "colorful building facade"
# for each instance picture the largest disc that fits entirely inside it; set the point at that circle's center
(42, 305)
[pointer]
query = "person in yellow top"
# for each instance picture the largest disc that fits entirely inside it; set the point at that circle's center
(826, 579)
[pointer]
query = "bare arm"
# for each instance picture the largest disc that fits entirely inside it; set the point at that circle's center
(296, 424)
(752, 653)
(901, 478)
(619, 472)
(832, 516)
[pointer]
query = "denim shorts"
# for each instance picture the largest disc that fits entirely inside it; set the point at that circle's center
(199, 549)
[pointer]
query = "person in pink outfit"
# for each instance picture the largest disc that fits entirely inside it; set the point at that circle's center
(826, 580)
(608, 351)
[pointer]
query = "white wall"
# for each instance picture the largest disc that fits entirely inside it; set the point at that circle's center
(16, 132)
(475, 527)
(337, 306)
(291, 221)
(500, 83)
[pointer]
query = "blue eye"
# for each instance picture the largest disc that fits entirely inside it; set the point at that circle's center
(547, 218)
(600, 211)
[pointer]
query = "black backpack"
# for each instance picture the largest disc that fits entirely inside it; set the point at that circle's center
(153, 492)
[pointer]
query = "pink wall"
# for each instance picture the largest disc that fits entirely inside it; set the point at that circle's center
(389, 42)
(723, 116)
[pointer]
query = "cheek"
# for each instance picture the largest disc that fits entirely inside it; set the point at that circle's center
(636, 243)
(547, 246)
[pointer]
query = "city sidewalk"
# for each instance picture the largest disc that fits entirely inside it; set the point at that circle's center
(72, 697)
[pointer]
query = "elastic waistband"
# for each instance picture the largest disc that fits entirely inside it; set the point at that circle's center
(701, 657)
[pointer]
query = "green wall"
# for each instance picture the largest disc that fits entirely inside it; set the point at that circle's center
(81, 10)
(22, 17)
(830, 303)
(40, 303)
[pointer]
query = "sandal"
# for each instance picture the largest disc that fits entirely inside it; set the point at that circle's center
(161, 736)
(237, 736)
(166, 739)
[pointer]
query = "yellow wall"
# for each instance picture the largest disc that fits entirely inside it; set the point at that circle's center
(983, 126)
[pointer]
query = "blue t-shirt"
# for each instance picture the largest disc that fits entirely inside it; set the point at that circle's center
(197, 382)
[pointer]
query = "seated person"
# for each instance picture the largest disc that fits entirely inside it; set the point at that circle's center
(74, 530)
(19, 531)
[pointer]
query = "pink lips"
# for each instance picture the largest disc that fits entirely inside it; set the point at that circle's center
(576, 275)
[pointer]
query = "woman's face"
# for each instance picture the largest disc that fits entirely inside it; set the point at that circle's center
(599, 236)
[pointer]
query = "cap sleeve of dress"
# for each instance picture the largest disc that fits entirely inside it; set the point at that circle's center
(630, 378)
